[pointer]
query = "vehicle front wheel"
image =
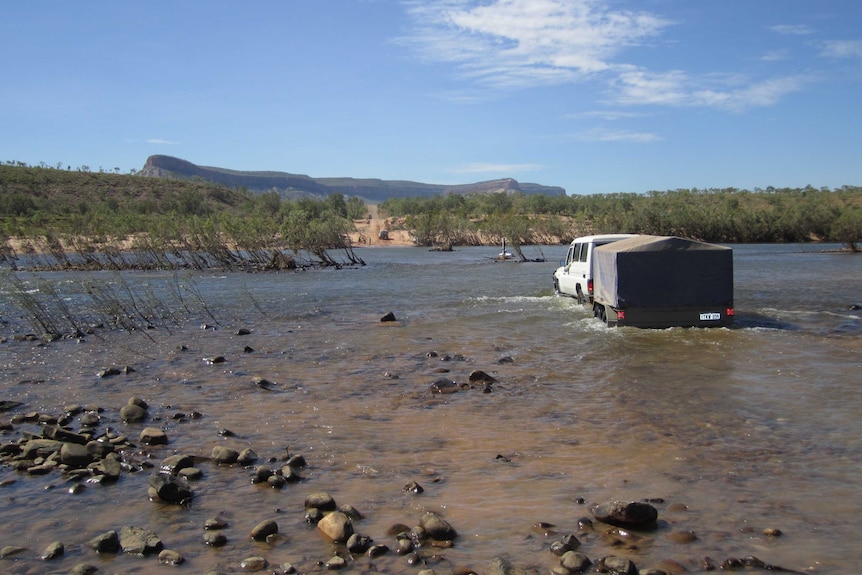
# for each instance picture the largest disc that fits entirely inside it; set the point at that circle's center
(556, 287)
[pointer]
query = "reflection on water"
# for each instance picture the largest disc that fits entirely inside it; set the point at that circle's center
(734, 430)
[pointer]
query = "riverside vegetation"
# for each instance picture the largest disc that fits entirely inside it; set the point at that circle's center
(78, 219)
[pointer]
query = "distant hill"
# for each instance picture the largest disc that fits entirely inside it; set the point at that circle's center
(297, 185)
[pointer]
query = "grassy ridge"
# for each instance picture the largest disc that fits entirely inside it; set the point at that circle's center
(78, 219)
(51, 194)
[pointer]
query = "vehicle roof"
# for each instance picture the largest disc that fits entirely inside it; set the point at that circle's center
(649, 243)
(602, 237)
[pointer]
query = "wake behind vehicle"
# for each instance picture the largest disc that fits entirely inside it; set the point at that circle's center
(656, 281)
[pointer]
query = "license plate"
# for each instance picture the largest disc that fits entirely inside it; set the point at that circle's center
(710, 316)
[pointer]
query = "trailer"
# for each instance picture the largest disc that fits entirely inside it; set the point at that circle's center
(663, 281)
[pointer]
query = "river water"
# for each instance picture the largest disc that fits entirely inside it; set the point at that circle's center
(728, 432)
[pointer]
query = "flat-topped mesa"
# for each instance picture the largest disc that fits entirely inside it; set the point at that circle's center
(298, 185)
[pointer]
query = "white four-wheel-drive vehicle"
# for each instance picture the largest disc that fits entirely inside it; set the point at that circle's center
(650, 281)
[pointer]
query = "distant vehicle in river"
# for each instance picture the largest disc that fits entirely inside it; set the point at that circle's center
(650, 281)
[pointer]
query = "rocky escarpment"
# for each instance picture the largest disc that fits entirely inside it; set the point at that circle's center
(170, 167)
(297, 185)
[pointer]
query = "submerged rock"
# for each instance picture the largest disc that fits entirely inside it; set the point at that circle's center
(215, 524)
(321, 501)
(437, 528)
(171, 557)
(175, 463)
(253, 564)
(153, 436)
(358, 543)
(131, 413)
(75, 455)
(53, 551)
(413, 488)
(575, 562)
(564, 545)
(479, 376)
(40, 448)
(616, 565)
(109, 468)
(215, 539)
(139, 541)
(224, 455)
(84, 569)
(246, 457)
(444, 386)
(634, 514)
(108, 542)
(501, 566)
(264, 529)
(336, 527)
(171, 489)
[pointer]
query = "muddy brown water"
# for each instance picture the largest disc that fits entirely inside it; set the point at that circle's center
(730, 431)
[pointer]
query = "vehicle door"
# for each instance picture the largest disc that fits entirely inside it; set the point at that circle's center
(568, 280)
(579, 269)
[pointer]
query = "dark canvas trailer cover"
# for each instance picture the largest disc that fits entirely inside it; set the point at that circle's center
(664, 281)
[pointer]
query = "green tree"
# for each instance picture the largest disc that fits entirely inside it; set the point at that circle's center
(847, 227)
(356, 208)
(336, 204)
(514, 228)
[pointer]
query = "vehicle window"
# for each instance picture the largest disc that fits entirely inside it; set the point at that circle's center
(569, 254)
(583, 255)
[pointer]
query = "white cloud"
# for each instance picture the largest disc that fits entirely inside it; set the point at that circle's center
(608, 115)
(514, 44)
(842, 49)
(639, 86)
(677, 89)
(792, 29)
(518, 43)
(161, 142)
(765, 93)
(603, 135)
(462, 97)
(487, 168)
(775, 56)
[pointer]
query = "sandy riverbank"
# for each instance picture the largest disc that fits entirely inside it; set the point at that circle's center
(367, 232)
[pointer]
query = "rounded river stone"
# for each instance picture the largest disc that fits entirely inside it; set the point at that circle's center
(437, 527)
(108, 542)
(264, 529)
(634, 514)
(252, 564)
(336, 526)
(153, 436)
(321, 501)
(139, 541)
(132, 413)
(170, 557)
(224, 455)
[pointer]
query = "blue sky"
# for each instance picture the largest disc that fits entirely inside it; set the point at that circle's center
(596, 96)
